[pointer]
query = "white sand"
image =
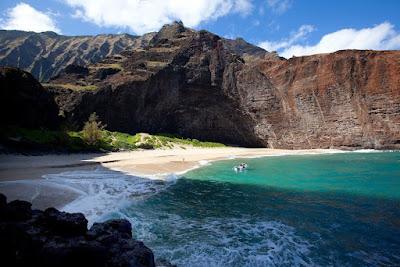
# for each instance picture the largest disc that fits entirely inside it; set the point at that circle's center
(145, 162)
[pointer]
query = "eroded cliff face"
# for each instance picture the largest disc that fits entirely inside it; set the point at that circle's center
(196, 84)
(45, 54)
(24, 102)
(183, 83)
(348, 98)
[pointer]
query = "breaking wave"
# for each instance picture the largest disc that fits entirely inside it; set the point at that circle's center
(220, 241)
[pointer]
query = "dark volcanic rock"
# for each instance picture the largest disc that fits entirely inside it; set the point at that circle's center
(24, 102)
(185, 83)
(104, 72)
(3, 201)
(76, 69)
(120, 227)
(242, 48)
(54, 238)
(18, 210)
(64, 223)
(199, 85)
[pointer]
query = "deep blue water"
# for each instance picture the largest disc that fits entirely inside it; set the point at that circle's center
(338, 210)
(316, 210)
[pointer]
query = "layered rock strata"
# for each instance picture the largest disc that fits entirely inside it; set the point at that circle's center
(199, 85)
(195, 84)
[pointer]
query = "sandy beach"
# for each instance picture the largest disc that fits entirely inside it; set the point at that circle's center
(142, 163)
(22, 177)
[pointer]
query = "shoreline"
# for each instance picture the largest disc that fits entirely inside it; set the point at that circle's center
(25, 177)
(155, 164)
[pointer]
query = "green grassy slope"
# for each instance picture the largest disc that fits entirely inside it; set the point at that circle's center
(110, 141)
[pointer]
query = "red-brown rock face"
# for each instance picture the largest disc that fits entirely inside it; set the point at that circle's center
(348, 98)
(199, 85)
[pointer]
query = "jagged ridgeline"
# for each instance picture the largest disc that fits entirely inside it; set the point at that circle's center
(199, 85)
(45, 54)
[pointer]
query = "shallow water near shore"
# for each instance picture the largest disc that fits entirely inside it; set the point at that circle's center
(311, 210)
(339, 209)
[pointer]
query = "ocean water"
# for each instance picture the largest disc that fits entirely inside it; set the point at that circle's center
(311, 210)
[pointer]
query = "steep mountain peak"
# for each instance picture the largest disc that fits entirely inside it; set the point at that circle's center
(170, 32)
(50, 34)
(199, 85)
(241, 47)
(173, 46)
(184, 82)
(46, 54)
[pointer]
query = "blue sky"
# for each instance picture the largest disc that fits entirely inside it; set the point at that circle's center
(292, 27)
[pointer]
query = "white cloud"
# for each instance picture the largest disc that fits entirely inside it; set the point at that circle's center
(243, 6)
(300, 34)
(26, 18)
(379, 37)
(143, 16)
(279, 6)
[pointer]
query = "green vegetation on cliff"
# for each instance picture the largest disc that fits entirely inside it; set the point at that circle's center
(75, 141)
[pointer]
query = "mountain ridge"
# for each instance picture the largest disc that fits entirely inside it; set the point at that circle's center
(45, 54)
(197, 85)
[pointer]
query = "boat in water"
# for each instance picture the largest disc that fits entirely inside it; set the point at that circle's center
(241, 167)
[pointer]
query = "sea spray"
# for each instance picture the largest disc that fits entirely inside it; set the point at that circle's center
(98, 193)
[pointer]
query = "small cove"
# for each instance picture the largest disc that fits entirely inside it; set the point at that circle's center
(311, 210)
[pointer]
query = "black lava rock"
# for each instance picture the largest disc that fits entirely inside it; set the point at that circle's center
(54, 238)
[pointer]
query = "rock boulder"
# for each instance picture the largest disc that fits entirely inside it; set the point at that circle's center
(53, 238)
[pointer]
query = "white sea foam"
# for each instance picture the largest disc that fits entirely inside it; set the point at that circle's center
(204, 162)
(184, 241)
(371, 151)
(106, 191)
(100, 192)
(221, 241)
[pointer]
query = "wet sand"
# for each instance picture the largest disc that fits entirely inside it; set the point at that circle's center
(146, 162)
(19, 174)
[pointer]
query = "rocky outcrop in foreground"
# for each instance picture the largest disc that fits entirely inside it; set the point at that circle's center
(53, 238)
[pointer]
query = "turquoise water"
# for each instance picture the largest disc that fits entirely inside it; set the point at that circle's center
(369, 174)
(316, 210)
(338, 210)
